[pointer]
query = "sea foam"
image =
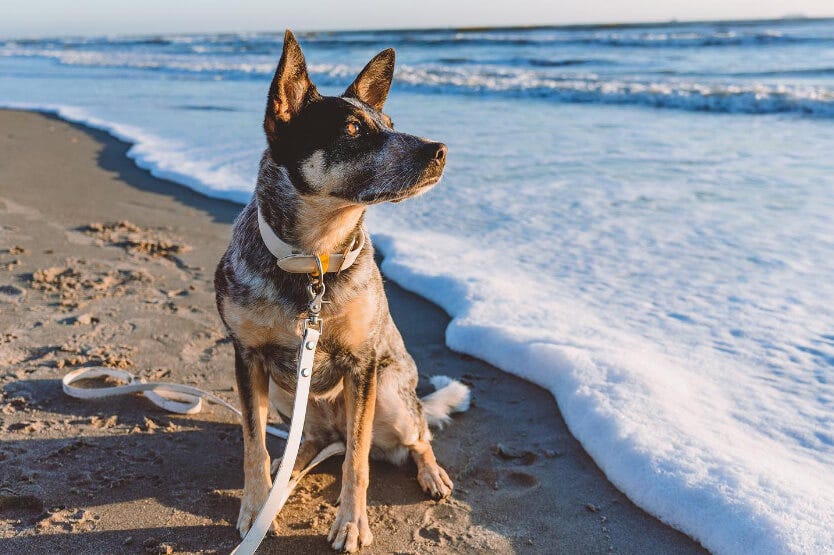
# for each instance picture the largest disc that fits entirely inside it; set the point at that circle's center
(536, 80)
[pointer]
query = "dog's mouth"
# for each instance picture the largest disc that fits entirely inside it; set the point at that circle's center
(417, 189)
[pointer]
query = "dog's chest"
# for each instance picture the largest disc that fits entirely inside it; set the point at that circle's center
(347, 323)
(273, 332)
(259, 324)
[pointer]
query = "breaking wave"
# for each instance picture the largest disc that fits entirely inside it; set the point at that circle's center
(478, 79)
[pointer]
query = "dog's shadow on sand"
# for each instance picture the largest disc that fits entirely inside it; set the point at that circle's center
(183, 465)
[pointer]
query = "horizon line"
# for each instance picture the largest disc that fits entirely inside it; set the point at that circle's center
(461, 29)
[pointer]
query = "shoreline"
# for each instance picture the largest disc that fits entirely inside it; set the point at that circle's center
(568, 503)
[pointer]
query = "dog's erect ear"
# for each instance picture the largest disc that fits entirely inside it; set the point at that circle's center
(372, 84)
(291, 87)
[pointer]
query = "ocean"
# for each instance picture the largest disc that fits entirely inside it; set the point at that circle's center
(638, 218)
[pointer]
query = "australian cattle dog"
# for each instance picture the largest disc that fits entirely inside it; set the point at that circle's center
(327, 160)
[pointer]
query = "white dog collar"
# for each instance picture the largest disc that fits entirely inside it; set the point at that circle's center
(295, 262)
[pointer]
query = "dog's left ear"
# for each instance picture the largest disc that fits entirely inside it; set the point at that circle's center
(291, 87)
(373, 82)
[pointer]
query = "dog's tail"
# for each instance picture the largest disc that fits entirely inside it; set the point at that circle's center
(450, 396)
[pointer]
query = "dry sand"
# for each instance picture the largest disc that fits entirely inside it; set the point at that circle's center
(102, 264)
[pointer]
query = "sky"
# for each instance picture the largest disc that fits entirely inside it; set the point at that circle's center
(22, 18)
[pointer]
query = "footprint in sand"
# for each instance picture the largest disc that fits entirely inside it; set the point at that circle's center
(11, 294)
(448, 525)
(522, 480)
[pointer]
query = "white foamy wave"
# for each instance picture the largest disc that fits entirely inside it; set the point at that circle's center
(745, 98)
(133, 60)
(733, 98)
(663, 433)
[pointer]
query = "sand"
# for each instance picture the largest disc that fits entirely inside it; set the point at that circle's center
(102, 264)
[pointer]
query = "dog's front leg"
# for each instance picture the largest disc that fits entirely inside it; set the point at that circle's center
(351, 531)
(253, 387)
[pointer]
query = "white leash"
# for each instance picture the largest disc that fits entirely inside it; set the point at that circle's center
(185, 399)
(281, 486)
(173, 397)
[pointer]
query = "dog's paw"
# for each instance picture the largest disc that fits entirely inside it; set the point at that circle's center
(350, 530)
(250, 506)
(434, 481)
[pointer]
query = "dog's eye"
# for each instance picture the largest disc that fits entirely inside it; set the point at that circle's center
(352, 129)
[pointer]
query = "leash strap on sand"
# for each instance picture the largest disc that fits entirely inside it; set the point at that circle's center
(172, 397)
(185, 399)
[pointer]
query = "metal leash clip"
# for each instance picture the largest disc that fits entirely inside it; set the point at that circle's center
(315, 293)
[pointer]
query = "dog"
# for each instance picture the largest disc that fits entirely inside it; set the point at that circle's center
(327, 160)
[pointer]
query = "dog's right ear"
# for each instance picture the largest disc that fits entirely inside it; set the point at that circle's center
(291, 87)
(374, 82)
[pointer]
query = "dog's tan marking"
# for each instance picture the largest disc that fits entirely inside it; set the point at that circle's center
(350, 530)
(256, 479)
(280, 110)
(432, 478)
(352, 325)
(367, 120)
(261, 325)
(362, 114)
(325, 223)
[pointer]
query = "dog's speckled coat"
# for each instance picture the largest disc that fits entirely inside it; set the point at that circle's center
(328, 159)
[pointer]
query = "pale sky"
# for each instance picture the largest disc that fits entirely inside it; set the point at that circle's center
(104, 17)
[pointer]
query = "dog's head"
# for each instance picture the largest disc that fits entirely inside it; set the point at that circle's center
(345, 147)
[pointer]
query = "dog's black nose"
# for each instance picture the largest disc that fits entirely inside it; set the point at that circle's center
(437, 151)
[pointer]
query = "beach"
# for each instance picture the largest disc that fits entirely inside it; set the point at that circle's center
(103, 264)
(635, 217)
